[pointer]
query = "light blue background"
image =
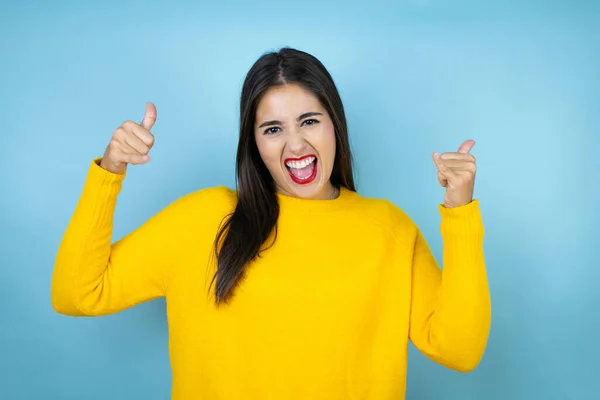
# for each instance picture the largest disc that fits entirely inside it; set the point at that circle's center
(521, 78)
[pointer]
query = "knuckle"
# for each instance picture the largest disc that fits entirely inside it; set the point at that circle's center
(114, 143)
(128, 124)
(119, 133)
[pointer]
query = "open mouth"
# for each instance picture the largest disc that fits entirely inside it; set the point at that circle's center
(302, 170)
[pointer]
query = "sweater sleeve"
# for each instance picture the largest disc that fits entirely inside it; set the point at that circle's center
(92, 277)
(451, 308)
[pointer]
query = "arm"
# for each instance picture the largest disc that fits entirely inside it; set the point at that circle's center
(93, 277)
(451, 309)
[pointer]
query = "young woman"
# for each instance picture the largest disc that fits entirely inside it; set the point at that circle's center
(293, 286)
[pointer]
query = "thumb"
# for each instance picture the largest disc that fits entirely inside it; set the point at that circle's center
(466, 146)
(149, 117)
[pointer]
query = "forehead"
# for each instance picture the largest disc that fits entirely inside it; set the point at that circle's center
(286, 102)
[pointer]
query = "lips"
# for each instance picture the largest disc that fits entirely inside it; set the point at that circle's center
(302, 170)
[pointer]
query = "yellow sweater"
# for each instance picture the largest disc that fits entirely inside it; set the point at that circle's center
(326, 313)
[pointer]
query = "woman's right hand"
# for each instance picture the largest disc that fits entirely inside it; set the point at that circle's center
(130, 143)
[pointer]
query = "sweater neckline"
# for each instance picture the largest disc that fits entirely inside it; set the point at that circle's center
(295, 204)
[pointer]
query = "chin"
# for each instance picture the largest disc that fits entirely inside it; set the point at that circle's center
(309, 188)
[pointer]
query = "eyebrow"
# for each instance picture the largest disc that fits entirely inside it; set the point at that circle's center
(305, 115)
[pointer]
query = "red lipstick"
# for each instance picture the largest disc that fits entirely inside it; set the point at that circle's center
(299, 159)
(303, 180)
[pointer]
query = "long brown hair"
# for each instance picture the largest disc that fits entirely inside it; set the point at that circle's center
(245, 231)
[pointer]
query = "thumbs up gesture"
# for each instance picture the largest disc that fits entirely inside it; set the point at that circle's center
(456, 172)
(130, 143)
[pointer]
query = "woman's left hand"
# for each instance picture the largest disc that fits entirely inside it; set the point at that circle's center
(456, 172)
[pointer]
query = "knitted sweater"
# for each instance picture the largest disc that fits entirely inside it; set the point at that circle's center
(326, 313)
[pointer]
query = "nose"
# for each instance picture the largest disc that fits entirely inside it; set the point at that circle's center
(296, 143)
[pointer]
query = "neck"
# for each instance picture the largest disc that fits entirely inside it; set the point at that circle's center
(329, 192)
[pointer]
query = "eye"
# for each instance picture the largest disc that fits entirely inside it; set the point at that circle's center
(312, 122)
(271, 131)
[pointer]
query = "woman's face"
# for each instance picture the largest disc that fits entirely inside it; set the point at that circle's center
(296, 140)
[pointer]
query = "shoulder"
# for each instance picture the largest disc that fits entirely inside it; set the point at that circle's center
(385, 213)
(202, 205)
(216, 197)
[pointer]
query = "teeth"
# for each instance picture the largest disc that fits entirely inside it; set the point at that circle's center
(300, 164)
